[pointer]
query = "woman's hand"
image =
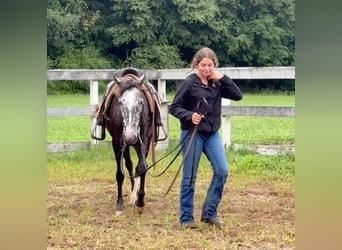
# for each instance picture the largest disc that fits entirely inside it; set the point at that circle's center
(215, 75)
(196, 118)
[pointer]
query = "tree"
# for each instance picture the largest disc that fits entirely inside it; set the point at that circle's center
(68, 23)
(156, 57)
(166, 33)
(136, 29)
(242, 32)
(261, 36)
(86, 58)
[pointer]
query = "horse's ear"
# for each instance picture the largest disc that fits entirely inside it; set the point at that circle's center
(117, 79)
(142, 78)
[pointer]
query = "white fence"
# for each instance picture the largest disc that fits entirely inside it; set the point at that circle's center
(171, 74)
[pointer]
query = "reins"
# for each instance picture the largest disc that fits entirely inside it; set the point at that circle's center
(194, 132)
(162, 158)
(201, 108)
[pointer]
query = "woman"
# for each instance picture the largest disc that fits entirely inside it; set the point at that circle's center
(205, 86)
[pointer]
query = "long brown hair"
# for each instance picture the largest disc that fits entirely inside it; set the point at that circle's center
(202, 53)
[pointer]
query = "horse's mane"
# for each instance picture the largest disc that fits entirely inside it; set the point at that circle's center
(128, 81)
(124, 81)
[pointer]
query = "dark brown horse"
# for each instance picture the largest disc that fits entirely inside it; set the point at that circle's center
(130, 124)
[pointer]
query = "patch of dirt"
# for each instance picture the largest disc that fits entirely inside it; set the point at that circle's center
(258, 214)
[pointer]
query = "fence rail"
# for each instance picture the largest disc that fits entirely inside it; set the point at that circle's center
(162, 76)
(270, 111)
(175, 74)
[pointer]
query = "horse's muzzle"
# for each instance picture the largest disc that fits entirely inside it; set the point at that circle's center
(130, 138)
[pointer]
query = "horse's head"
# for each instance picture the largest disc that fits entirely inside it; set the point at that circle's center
(131, 102)
(128, 81)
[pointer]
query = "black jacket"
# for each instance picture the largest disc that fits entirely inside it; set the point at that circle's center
(188, 94)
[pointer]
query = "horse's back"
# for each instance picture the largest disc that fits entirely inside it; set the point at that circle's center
(133, 71)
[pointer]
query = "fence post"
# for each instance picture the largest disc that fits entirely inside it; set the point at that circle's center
(164, 113)
(94, 100)
(226, 126)
(162, 89)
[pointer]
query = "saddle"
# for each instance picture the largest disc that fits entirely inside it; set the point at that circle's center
(154, 101)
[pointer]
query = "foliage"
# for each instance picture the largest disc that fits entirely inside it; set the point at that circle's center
(68, 24)
(72, 58)
(156, 57)
(261, 35)
(266, 85)
(85, 58)
(138, 15)
(155, 34)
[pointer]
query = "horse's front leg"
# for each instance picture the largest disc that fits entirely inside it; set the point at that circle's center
(139, 202)
(120, 177)
(129, 165)
(119, 180)
(141, 172)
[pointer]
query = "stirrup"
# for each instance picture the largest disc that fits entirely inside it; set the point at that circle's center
(157, 133)
(98, 130)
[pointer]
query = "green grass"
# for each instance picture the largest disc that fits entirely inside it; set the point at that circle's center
(266, 100)
(245, 130)
(68, 166)
(257, 204)
(248, 99)
(69, 100)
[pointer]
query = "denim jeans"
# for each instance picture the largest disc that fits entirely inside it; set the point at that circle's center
(211, 145)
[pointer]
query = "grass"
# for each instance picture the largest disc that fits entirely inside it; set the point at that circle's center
(266, 100)
(257, 204)
(248, 99)
(245, 130)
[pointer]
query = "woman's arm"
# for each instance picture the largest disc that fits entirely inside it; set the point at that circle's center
(229, 89)
(177, 106)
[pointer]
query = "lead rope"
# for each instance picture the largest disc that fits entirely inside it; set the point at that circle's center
(167, 167)
(181, 164)
(201, 107)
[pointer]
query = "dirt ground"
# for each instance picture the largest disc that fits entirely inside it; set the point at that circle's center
(259, 213)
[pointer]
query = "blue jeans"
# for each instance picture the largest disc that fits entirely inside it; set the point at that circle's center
(211, 146)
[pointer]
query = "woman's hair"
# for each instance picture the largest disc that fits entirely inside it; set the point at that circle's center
(202, 53)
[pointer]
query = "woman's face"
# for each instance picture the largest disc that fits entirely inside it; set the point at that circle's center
(205, 67)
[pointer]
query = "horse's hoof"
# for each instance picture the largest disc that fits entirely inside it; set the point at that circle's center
(132, 199)
(140, 210)
(119, 208)
(118, 213)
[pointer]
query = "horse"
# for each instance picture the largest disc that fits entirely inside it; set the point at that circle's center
(130, 124)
